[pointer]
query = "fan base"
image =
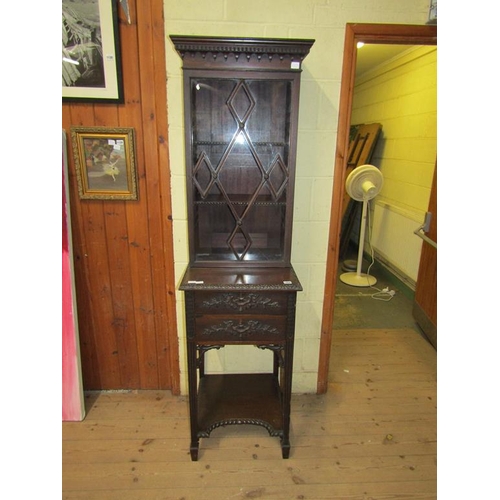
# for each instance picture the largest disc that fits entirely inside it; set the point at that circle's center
(349, 265)
(355, 279)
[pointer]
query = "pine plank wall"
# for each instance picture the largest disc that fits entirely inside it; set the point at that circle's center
(123, 250)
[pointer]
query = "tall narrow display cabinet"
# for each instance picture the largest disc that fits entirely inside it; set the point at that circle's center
(241, 101)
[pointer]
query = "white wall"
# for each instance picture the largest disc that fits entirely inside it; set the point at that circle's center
(324, 21)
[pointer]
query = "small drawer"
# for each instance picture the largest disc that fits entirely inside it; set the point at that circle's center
(241, 302)
(241, 328)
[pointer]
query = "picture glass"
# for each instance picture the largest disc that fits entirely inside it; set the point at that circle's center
(105, 164)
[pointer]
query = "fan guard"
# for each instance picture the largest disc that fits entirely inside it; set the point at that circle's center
(364, 182)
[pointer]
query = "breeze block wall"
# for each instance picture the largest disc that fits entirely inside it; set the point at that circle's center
(324, 21)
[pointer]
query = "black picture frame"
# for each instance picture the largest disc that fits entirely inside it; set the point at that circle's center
(91, 65)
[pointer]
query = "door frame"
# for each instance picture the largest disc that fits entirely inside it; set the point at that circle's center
(401, 34)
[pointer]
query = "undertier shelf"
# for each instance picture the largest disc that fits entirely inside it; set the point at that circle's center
(235, 399)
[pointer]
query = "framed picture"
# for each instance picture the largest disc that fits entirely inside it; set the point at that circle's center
(105, 163)
(91, 64)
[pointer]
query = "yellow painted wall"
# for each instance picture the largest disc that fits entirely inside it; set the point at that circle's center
(401, 94)
(324, 21)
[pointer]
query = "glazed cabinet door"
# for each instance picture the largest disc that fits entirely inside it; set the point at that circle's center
(241, 162)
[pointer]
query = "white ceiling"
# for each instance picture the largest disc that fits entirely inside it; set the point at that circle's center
(372, 55)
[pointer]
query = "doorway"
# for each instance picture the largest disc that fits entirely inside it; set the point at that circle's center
(370, 34)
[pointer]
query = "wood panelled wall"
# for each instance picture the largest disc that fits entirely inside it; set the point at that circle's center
(123, 249)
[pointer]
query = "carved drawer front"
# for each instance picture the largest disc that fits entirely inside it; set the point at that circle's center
(240, 328)
(241, 302)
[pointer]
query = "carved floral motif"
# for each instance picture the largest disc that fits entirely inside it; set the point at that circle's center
(240, 329)
(241, 302)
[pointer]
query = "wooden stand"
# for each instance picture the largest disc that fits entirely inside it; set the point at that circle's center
(226, 307)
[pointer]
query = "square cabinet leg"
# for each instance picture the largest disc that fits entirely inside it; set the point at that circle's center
(285, 448)
(195, 445)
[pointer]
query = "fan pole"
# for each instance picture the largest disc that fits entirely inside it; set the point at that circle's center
(362, 237)
(358, 278)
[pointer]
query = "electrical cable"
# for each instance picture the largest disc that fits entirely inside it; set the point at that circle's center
(385, 295)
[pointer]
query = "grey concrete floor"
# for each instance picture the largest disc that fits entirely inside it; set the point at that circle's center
(365, 307)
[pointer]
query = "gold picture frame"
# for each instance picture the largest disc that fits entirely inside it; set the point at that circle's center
(105, 163)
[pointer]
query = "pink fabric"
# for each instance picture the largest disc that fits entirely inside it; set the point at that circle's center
(72, 408)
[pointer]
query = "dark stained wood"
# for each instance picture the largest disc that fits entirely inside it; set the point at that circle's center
(261, 54)
(259, 403)
(240, 114)
(240, 288)
(368, 33)
(123, 250)
(226, 306)
(206, 278)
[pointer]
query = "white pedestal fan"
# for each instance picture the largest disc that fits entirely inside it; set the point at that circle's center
(362, 184)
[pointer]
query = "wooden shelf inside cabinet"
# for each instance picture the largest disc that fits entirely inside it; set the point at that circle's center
(241, 98)
(238, 200)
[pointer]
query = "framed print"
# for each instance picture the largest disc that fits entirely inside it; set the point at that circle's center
(105, 163)
(91, 63)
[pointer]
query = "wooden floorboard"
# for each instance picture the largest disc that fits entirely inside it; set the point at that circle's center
(372, 436)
